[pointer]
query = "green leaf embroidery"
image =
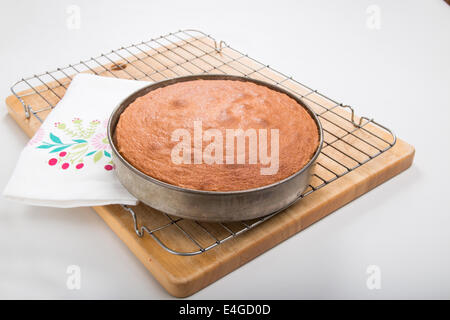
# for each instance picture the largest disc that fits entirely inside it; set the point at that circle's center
(98, 156)
(55, 138)
(45, 146)
(59, 149)
(81, 145)
(77, 144)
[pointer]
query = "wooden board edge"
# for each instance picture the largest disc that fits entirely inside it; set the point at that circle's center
(271, 233)
(12, 103)
(146, 257)
(279, 228)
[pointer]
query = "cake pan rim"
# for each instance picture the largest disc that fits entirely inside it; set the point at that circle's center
(155, 85)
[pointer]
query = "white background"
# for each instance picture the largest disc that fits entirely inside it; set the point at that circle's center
(399, 74)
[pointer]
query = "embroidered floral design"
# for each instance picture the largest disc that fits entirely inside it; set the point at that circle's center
(78, 130)
(100, 141)
(83, 144)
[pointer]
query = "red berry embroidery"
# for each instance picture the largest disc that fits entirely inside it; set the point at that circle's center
(77, 141)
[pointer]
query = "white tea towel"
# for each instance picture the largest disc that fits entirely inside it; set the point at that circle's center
(68, 163)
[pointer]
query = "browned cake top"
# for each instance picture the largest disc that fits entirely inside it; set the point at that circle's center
(144, 134)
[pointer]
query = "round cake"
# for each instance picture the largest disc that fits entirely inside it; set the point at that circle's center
(216, 135)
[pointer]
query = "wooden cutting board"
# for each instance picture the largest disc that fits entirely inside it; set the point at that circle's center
(182, 276)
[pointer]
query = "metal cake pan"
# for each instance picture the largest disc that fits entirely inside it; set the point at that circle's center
(209, 205)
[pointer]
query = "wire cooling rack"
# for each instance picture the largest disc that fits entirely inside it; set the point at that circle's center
(349, 141)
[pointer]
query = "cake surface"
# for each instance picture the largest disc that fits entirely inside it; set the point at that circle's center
(144, 133)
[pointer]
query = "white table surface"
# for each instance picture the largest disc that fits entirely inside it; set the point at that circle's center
(398, 74)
